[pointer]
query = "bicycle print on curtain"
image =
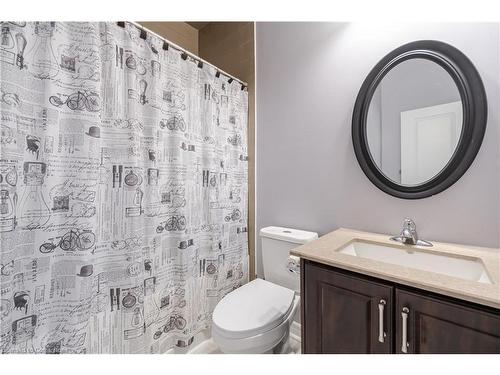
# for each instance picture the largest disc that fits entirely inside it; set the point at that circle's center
(123, 190)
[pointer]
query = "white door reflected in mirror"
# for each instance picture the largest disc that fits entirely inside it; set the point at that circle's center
(429, 137)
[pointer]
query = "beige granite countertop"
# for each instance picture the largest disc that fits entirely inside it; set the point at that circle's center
(326, 250)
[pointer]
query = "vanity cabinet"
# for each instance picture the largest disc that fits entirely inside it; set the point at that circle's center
(346, 312)
(435, 326)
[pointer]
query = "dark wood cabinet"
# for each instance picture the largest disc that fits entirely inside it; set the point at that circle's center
(346, 312)
(436, 326)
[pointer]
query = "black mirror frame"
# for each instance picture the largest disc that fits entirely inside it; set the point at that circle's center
(475, 114)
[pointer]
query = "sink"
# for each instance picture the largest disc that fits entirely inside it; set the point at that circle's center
(463, 268)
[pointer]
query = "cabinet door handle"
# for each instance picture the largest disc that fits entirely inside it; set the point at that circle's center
(404, 338)
(381, 333)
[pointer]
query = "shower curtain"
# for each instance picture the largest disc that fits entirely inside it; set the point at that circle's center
(123, 190)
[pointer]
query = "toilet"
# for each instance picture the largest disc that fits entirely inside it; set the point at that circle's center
(256, 317)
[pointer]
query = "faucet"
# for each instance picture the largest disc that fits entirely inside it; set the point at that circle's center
(409, 235)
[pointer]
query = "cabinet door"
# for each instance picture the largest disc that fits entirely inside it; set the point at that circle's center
(436, 326)
(343, 313)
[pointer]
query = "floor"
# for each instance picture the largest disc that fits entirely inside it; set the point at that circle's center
(203, 343)
(208, 346)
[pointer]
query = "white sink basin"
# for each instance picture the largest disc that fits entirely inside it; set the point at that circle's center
(467, 269)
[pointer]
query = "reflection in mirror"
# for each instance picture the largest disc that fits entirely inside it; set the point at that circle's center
(414, 121)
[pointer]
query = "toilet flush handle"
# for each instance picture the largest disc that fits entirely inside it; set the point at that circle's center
(293, 264)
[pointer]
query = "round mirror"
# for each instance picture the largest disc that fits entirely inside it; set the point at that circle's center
(414, 121)
(419, 119)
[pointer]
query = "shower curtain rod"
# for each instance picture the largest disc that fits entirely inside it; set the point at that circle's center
(179, 48)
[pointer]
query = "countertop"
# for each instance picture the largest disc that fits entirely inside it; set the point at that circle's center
(325, 250)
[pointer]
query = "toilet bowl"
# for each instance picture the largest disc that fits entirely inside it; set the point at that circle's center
(256, 317)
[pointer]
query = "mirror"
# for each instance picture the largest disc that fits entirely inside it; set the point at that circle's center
(419, 119)
(414, 121)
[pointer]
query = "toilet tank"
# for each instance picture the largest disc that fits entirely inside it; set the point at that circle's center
(276, 245)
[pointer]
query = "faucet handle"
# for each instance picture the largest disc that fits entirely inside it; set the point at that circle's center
(409, 235)
(409, 224)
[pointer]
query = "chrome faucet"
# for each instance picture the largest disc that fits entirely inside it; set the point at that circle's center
(409, 235)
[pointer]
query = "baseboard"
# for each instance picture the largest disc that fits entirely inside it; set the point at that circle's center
(295, 331)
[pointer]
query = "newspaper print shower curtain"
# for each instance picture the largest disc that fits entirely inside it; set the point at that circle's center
(123, 190)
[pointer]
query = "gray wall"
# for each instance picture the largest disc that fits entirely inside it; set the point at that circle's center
(308, 76)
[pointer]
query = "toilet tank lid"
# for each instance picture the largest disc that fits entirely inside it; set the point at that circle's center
(288, 234)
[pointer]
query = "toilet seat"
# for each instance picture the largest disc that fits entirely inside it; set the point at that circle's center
(254, 318)
(252, 309)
